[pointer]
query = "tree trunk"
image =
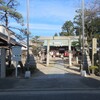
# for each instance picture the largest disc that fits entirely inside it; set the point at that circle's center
(9, 45)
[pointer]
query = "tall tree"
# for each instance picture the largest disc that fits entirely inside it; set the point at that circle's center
(92, 20)
(55, 34)
(35, 39)
(78, 22)
(7, 11)
(67, 29)
(92, 23)
(37, 44)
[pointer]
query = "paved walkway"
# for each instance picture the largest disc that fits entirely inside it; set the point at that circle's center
(57, 76)
(55, 70)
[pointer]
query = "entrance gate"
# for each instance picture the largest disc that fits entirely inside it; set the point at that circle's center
(68, 39)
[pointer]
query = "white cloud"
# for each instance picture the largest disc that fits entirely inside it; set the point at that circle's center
(39, 26)
(45, 27)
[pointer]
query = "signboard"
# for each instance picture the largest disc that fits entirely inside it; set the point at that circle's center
(16, 53)
(94, 45)
(56, 43)
(94, 49)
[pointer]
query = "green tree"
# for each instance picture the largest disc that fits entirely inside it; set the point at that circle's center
(92, 21)
(63, 34)
(67, 29)
(36, 47)
(55, 34)
(78, 22)
(7, 11)
(78, 25)
(35, 39)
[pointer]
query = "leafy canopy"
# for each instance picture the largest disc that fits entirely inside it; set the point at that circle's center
(67, 29)
(8, 9)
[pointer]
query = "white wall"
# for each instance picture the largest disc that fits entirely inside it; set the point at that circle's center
(3, 31)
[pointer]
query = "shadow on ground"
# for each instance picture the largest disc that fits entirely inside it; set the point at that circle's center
(51, 81)
(8, 83)
(40, 80)
(91, 83)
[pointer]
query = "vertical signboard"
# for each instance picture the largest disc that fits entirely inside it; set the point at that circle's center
(94, 49)
(16, 55)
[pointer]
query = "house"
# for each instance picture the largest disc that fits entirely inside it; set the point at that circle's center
(7, 40)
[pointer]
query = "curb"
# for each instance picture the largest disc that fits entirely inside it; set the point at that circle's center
(53, 89)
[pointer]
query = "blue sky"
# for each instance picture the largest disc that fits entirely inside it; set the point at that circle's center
(47, 16)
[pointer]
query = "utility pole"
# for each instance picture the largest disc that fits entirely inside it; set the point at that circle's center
(27, 73)
(82, 35)
(28, 34)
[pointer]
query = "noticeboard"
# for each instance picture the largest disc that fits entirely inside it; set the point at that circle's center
(16, 53)
(94, 45)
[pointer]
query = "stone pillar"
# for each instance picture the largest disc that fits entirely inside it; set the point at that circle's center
(48, 47)
(70, 55)
(94, 49)
(2, 63)
(76, 59)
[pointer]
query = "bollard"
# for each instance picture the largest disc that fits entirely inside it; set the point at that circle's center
(83, 73)
(27, 74)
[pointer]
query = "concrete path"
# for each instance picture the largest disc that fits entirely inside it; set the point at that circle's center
(57, 68)
(58, 76)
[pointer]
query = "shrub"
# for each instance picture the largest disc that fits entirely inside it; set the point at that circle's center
(31, 69)
(10, 70)
(93, 69)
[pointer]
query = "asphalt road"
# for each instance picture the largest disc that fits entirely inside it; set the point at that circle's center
(51, 95)
(56, 82)
(58, 76)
